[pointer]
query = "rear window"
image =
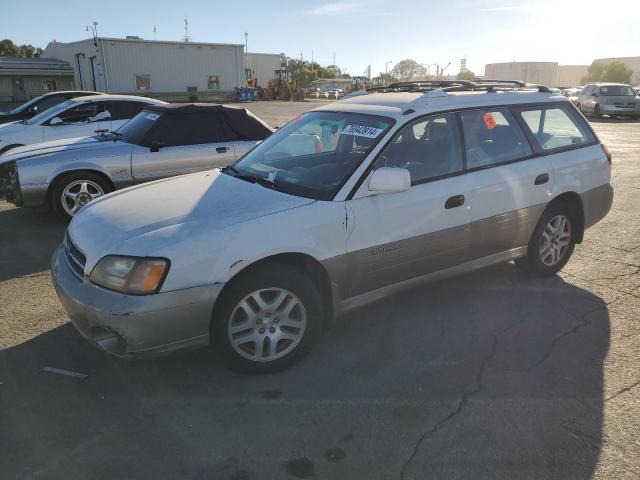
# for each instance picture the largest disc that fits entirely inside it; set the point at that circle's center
(492, 137)
(556, 127)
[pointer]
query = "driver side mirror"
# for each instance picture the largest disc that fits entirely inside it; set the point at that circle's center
(155, 146)
(390, 180)
(55, 121)
(595, 94)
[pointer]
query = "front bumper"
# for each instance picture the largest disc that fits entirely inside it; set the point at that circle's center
(617, 110)
(130, 326)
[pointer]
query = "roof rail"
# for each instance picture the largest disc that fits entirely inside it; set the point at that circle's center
(421, 86)
(492, 85)
(427, 86)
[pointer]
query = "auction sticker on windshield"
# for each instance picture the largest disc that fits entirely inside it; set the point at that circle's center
(362, 131)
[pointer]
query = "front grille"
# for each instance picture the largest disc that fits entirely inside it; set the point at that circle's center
(75, 257)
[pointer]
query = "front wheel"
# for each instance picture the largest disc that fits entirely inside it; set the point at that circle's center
(268, 320)
(74, 191)
(552, 242)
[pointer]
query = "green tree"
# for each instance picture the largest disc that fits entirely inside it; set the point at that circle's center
(608, 72)
(408, 70)
(10, 49)
(466, 75)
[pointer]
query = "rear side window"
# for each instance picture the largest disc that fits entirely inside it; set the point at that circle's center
(555, 127)
(124, 110)
(189, 129)
(492, 137)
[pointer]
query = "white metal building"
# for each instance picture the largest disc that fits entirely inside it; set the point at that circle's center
(262, 67)
(170, 70)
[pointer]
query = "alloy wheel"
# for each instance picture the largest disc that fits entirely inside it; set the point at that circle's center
(77, 194)
(556, 239)
(267, 324)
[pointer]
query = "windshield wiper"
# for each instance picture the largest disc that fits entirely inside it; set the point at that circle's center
(265, 182)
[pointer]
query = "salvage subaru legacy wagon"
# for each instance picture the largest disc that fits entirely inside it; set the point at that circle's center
(409, 183)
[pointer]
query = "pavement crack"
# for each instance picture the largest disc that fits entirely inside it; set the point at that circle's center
(465, 396)
(623, 390)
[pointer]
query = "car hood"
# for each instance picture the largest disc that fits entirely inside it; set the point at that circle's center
(180, 207)
(64, 145)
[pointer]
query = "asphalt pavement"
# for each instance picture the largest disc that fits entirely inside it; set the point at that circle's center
(485, 376)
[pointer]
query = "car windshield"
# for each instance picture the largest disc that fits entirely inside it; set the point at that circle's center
(616, 91)
(51, 112)
(137, 128)
(25, 106)
(313, 155)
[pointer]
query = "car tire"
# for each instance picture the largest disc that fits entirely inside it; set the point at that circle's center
(268, 319)
(552, 242)
(72, 192)
(596, 111)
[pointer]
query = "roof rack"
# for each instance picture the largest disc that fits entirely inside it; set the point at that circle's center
(453, 86)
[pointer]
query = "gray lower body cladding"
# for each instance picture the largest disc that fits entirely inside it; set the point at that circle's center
(365, 275)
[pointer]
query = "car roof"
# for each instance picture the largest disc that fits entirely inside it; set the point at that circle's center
(67, 92)
(105, 97)
(403, 104)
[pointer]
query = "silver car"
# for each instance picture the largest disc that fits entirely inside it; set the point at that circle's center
(161, 141)
(612, 99)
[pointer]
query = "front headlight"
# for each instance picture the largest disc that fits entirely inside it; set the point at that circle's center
(132, 275)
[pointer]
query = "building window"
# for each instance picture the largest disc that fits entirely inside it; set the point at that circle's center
(213, 82)
(49, 85)
(143, 82)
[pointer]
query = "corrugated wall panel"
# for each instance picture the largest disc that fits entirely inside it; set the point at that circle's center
(172, 67)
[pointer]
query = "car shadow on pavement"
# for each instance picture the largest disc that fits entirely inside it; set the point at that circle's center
(483, 376)
(28, 238)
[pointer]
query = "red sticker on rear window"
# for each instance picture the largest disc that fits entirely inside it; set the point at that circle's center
(489, 121)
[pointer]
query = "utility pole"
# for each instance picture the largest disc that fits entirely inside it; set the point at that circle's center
(312, 56)
(334, 59)
(386, 67)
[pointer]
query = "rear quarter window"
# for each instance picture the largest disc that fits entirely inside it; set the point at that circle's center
(556, 127)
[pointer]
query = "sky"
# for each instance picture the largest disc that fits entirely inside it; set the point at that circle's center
(361, 33)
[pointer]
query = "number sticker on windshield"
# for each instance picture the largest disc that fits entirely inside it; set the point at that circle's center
(152, 116)
(362, 131)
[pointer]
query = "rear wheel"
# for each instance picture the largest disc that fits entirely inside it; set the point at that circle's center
(268, 320)
(552, 242)
(74, 191)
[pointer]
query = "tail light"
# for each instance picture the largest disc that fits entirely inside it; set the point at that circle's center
(607, 152)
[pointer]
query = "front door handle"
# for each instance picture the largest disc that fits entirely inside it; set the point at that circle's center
(542, 179)
(222, 149)
(455, 201)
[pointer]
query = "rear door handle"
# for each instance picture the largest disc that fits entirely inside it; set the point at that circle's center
(222, 149)
(542, 179)
(455, 201)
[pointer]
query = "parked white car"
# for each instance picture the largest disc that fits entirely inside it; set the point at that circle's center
(415, 183)
(77, 117)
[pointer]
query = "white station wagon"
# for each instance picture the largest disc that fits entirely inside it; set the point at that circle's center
(410, 183)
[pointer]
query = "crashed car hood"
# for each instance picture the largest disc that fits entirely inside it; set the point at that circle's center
(54, 146)
(208, 200)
